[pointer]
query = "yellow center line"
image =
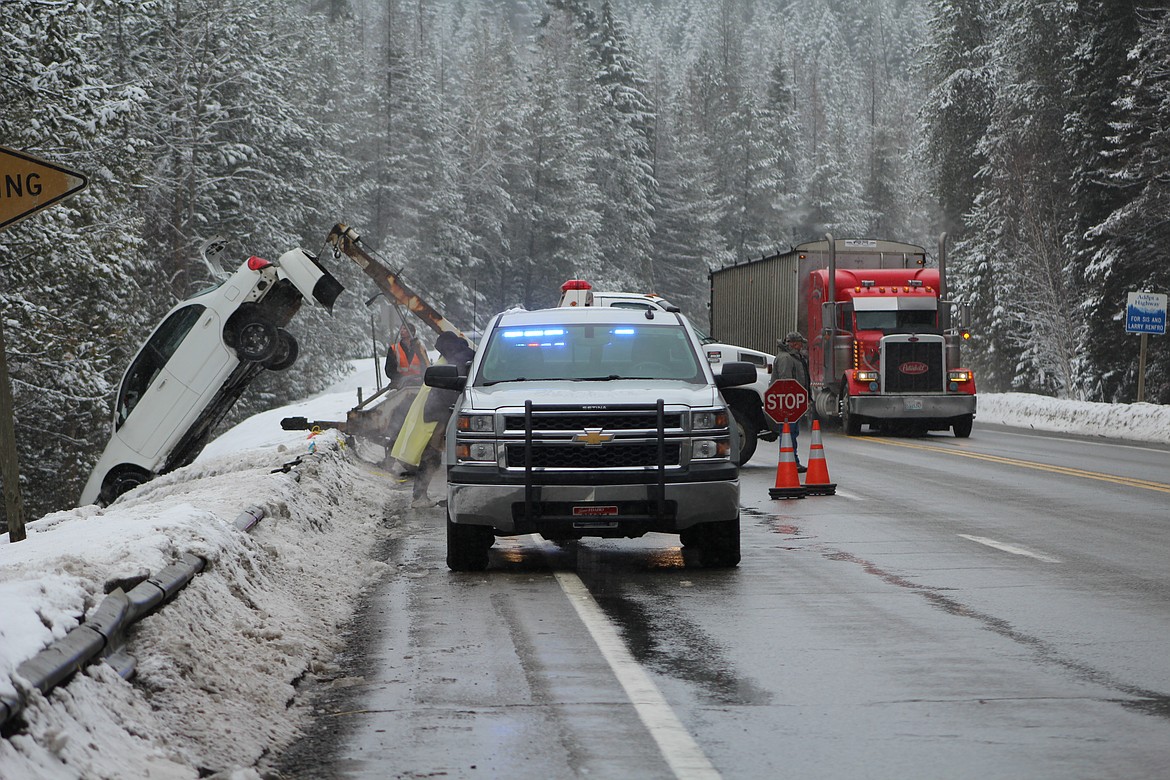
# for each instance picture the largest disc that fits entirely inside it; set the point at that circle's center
(1128, 481)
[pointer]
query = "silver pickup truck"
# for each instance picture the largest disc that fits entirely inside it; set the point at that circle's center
(591, 422)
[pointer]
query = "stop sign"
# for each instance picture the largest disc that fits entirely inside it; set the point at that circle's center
(785, 400)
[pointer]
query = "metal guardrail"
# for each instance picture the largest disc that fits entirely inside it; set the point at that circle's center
(101, 636)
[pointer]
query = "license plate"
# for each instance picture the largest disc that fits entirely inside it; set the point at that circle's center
(594, 511)
(595, 525)
(912, 404)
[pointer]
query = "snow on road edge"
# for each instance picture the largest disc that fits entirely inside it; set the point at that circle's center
(214, 689)
(1142, 422)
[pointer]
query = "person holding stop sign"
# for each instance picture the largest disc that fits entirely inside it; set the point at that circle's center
(791, 362)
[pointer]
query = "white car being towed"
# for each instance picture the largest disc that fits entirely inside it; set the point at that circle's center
(197, 363)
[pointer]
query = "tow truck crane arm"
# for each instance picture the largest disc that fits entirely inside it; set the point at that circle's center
(346, 240)
(373, 417)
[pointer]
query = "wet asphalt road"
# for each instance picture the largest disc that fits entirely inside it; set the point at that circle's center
(995, 607)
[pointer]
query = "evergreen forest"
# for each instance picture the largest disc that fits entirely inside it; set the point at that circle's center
(492, 149)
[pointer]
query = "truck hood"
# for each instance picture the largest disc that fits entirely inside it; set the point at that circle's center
(619, 392)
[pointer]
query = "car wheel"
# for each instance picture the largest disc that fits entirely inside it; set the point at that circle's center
(256, 340)
(287, 351)
(962, 426)
(717, 544)
(467, 546)
(121, 480)
(748, 436)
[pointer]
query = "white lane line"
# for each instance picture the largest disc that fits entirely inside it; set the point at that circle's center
(682, 754)
(1011, 548)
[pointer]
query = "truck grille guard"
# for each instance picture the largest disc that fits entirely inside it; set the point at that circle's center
(655, 493)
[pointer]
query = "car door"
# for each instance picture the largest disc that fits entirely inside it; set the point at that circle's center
(151, 400)
(202, 361)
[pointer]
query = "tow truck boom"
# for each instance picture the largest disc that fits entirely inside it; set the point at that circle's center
(346, 240)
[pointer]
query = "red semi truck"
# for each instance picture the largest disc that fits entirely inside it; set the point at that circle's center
(884, 339)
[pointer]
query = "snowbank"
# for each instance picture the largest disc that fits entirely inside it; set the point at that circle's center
(218, 666)
(1133, 422)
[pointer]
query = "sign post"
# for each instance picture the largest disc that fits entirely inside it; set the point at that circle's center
(785, 401)
(27, 185)
(1145, 313)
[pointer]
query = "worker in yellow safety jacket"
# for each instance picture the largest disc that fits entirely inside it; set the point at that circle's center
(421, 439)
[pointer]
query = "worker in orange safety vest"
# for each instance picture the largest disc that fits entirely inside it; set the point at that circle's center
(405, 357)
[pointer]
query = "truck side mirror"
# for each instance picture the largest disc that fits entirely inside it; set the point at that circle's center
(735, 374)
(444, 377)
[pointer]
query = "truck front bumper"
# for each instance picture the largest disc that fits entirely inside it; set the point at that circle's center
(911, 407)
(607, 510)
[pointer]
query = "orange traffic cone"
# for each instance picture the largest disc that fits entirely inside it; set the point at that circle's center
(787, 481)
(816, 479)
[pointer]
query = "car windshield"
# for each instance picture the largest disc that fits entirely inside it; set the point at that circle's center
(589, 352)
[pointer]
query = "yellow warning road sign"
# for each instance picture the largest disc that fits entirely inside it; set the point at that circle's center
(28, 185)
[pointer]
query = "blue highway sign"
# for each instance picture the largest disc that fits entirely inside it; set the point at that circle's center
(1146, 313)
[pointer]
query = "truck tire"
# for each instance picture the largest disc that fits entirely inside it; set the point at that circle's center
(716, 544)
(748, 435)
(962, 426)
(467, 546)
(850, 423)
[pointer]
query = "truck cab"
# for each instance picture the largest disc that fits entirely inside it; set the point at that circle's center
(881, 356)
(591, 421)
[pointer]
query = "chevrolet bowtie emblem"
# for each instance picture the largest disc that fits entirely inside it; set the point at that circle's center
(593, 437)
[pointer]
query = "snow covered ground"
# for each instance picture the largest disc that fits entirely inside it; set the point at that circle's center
(217, 667)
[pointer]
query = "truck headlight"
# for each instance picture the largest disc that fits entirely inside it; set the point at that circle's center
(865, 376)
(707, 421)
(475, 423)
(708, 449)
(476, 452)
(959, 376)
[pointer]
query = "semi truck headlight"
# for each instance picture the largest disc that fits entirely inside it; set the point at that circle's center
(708, 449)
(866, 376)
(475, 423)
(959, 376)
(706, 421)
(476, 451)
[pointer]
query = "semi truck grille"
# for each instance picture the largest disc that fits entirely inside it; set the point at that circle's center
(914, 366)
(608, 422)
(611, 456)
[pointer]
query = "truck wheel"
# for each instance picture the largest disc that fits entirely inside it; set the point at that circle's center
(748, 435)
(962, 426)
(717, 544)
(467, 546)
(850, 423)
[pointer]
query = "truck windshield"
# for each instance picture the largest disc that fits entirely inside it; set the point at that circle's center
(580, 352)
(893, 320)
